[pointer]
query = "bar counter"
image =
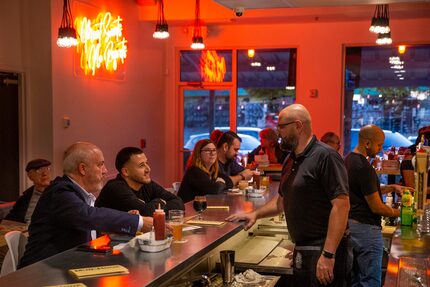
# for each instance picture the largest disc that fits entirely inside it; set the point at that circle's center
(146, 269)
(414, 251)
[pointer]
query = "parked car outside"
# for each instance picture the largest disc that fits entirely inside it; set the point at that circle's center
(248, 144)
(395, 139)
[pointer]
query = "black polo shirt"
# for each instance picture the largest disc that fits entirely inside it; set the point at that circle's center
(310, 181)
(363, 181)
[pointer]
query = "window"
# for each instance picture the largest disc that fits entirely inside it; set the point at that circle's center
(265, 84)
(388, 89)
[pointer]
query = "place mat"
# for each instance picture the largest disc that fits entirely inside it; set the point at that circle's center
(68, 285)
(98, 271)
(206, 222)
(218, 207)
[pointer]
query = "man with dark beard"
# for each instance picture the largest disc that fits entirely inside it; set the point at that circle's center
(228, 147)
(133, 188)
(313, 193)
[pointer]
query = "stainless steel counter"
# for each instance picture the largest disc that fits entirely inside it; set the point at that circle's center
(408, 261)
(146, 269)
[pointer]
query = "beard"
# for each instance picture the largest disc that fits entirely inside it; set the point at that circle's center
(289, 143)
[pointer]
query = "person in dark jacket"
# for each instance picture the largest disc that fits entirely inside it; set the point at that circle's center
(65, 216)
(270, 146)
(39, 172)
(202, 175)
(133, 187)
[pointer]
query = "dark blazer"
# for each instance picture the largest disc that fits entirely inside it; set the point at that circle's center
(280, 154)
(117, 194)
(62, 220)
(19, 210)
(197, 182)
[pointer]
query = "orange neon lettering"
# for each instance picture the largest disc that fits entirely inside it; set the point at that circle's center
(100, 43)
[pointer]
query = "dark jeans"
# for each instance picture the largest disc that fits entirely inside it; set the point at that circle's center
(305, 260)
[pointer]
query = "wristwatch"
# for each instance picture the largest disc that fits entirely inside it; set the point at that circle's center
(327, 254)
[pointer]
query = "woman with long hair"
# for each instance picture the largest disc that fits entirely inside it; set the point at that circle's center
(201, 176)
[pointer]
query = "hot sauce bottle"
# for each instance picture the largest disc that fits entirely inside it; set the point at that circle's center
(159, 218)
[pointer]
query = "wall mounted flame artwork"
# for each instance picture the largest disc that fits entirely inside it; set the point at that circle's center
(212, 66)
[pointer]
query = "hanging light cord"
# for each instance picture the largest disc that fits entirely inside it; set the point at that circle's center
(197, 28)
(160, 18)
(67, 16)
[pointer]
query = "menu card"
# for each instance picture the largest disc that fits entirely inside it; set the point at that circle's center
(205, 222)
(98, 271)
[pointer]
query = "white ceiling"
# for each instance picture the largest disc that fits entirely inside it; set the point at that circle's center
(269, 4)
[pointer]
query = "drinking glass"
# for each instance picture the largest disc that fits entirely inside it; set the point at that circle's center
(200, 205)
(176, 221)
(245, 160)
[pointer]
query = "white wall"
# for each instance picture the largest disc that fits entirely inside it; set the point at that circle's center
(25, 49)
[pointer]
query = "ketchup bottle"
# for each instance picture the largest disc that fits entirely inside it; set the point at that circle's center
(159, 224)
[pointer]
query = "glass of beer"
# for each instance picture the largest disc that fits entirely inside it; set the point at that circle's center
(176, 221)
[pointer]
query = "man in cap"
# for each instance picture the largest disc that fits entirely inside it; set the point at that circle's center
(39, 172)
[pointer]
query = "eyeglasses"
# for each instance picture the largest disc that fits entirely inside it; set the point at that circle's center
(209, 151)
(280, 126)
(41, 170)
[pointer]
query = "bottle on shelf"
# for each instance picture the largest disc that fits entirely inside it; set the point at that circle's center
(159, 218)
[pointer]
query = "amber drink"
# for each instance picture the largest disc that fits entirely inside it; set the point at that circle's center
(176, 221)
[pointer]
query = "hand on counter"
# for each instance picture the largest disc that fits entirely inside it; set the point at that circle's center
(250, 218)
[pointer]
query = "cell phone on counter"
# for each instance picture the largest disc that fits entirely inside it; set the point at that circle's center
(105, 249)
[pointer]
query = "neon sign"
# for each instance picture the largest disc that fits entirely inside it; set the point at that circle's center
(212, 66)
(100, 43)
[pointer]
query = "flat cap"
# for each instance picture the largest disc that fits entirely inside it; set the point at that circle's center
(36, 164)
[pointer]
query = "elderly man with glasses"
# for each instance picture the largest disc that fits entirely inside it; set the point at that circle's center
(39, 172)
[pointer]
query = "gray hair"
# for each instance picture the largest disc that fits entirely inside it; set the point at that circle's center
(76, 154)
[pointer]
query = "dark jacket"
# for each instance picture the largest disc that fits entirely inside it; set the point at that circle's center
(117, 194)
(62, 220)
(197, 182)
(280, 155)
(19, 210)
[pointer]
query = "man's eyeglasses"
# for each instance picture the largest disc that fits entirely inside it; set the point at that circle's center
(209, 151)
(280, 126)
(45, 169)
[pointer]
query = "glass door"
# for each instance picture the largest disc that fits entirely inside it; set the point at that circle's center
(204, 109)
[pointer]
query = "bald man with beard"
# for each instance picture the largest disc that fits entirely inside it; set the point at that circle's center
(367, 207)
(313, 193)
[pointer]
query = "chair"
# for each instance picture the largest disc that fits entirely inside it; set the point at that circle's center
(176, 186)
(16, 242)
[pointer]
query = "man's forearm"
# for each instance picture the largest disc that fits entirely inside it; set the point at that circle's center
(273, 207)
(337, 222)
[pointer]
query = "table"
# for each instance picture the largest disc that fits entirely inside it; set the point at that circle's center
(146, 269)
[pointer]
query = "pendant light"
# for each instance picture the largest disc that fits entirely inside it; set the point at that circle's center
(161, 28)
(197, 33)
(380, 21)
(66, 32)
